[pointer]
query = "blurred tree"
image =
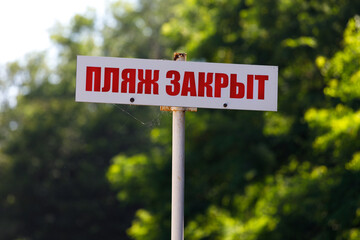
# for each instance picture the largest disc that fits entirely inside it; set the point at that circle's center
(231, 152)
(55, 152)
(249, 175)
(135, 30)
(318, 199)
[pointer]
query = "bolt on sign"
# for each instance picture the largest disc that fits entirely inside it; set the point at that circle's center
(176, 84)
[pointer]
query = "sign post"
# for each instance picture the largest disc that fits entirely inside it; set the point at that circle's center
(178, 174)
(178, 166)
(176, 87)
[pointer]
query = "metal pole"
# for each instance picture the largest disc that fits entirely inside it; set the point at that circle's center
(178, 167)
(178, 174)
(178, 164)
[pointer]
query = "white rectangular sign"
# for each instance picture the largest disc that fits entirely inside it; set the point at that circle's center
(176, 83)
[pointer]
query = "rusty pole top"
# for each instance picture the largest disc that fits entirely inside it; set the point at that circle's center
(180, 56)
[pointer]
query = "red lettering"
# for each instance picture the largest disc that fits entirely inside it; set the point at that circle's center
(237, 90)
(261, 79)
(205, 84)
(148, 81)
(128, 75)
(111, 73)
(221, 81)
(250, 87)
(93, 75)
(175, 88)
(189, 85)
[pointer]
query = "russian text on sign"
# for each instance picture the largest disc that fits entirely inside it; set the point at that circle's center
(169, 83)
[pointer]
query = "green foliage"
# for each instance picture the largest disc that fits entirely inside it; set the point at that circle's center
(145, 226)
(303, 200)
(135, 31)
(56, 152)
(95, 171)
(338, 126)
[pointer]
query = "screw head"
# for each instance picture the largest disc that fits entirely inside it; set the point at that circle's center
(225, 105)
(132, 100)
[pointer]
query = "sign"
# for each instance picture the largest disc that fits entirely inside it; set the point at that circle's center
(176, 83)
